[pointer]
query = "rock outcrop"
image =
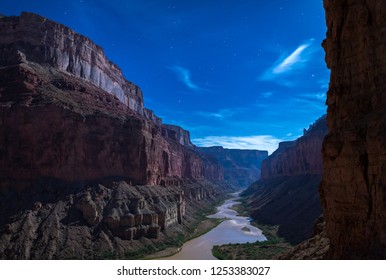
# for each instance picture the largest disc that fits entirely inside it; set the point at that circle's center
(179, 134)
(241, 167)
(88, 222)
(353, 191)
(85, 168)
(287, 193)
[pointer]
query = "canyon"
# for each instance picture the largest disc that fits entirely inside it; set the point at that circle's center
(87, 171)
(287, 193)
(241, 167)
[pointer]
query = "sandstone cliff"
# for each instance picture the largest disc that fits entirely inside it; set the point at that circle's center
(241, 167)
(85, 168)
(33, 38)
(353, 191)
(179, 134)
(90, 130)
(287, 193)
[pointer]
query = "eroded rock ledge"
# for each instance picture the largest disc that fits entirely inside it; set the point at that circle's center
(54, 220)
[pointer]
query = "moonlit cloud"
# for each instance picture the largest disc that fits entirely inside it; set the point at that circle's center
(256, 142)
(184, 76)
(288, 64)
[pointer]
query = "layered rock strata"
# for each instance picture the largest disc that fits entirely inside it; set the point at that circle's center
(33, 38)
(85, 168)
(55, 220)
(353, 191)
(287, 193)
(241, 167)
(57, 123)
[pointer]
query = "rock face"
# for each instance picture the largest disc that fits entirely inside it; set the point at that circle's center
(287, 193)
(353, 191)
(94, 220)
(33, 38)
(85, 168)
(89, 130)
(180, 134)
(241, 167)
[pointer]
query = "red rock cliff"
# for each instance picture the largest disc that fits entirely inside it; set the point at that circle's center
(85, 170)
(299, 157)
(33, 38)
(68, 113)
(354, 152)
(287, 193)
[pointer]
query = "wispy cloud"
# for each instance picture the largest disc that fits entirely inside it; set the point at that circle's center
(183, 75)
(219, 115)
(256, 142)
(290, 61)
(286, 65)
(266, 94)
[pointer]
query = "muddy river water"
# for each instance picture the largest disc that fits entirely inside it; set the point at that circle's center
(236, 229)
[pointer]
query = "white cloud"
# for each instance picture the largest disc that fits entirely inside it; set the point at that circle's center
(286, 65)
(184, 76)
(256, 142)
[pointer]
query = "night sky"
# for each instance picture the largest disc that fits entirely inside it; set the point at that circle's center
(241, 74)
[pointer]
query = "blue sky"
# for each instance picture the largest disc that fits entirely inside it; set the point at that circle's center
(240, 73)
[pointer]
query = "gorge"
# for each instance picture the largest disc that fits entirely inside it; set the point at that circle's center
(87, 171)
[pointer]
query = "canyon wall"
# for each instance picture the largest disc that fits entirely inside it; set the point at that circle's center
(90, 130)
(85, 168)
(33, 38)
(287, 193)
(353, 191)
(241, 167)
(299, 157)
(86, 134)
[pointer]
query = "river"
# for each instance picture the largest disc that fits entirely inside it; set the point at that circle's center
(237, 229)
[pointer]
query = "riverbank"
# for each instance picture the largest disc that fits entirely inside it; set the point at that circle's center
(234, 229)
(203, 227)
(260, 250)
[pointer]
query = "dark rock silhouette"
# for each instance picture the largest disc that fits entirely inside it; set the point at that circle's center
(354, 157)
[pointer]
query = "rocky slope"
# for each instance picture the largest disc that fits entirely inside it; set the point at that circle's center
(85, 168)
(241, 167)
(94, 221)
(287, 193)
(353, 191)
